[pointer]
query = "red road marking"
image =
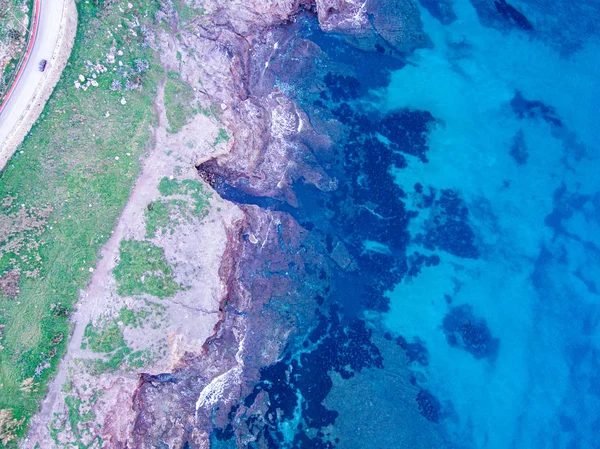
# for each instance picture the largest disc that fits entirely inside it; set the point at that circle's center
(36, 14)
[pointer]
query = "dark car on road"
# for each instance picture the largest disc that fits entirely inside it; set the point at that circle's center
(42, 65)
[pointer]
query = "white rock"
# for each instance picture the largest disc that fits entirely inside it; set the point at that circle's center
(123, 101)
(81, 78)
(91, 270)
(116, 158)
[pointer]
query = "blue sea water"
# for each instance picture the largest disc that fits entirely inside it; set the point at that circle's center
(468, 203)
(532, 190)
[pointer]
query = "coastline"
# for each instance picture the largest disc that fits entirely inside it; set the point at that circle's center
(205, 364)
(337, 235)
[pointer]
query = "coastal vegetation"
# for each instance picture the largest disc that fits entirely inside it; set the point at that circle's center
(143, 269)
(180, 199)
(178, 107)
(61, 194)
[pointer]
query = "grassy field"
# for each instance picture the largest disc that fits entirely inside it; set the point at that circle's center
(62, 192)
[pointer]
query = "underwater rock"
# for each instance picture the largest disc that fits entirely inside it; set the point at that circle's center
(374, 24)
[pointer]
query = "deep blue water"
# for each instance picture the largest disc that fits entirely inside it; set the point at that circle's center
(469, 203)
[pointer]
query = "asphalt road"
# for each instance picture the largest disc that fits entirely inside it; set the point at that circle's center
(46, 40)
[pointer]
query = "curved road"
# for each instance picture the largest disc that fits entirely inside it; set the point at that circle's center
(26, 87)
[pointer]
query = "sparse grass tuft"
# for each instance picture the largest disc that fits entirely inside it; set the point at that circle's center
(221, 137)
(144, 269)
(178, 107)
(107, 339)
(157, 217)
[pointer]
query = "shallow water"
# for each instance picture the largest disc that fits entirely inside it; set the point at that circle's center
(463, 309)
(536, 223)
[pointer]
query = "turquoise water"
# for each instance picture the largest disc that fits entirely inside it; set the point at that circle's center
(535, 215)
(447, 285)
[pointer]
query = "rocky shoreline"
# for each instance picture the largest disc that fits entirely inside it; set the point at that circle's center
(269, 256)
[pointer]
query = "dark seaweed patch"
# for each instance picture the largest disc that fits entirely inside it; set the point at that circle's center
(429, 406)
(518, 148)
(524, 108)
(448, 229)
(565, 205)
(464, 330)
(337, 346)
(342, 88)
(513, 15)
(418, 260)
(416, 351)
(407, 131)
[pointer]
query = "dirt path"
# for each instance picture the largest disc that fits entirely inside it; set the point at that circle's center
(55, 37)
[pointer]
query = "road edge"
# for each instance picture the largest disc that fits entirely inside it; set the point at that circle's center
(56, 65)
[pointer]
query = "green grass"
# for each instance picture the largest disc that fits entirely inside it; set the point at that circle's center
(11, 13)
(157, 217)
(74, 166)
(107, 339)
(211, 111)
(133, 318)
(193, 189)
(178, 107)
(79, 412)
(164, 214)
(188, 13)
(144, 269)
